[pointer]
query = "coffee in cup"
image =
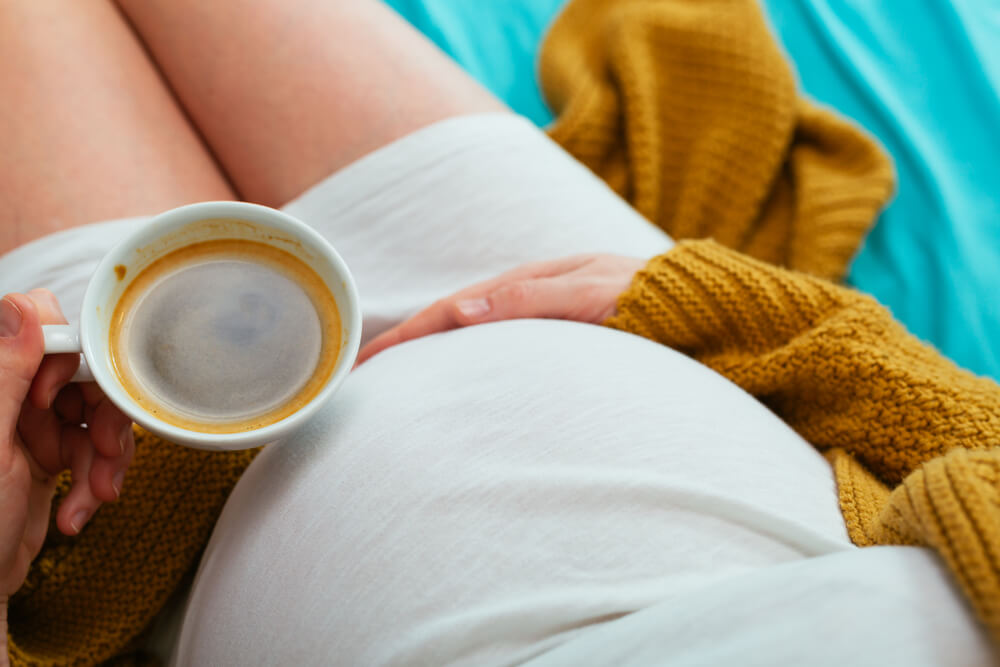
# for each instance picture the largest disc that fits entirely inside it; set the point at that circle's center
(225, 336)
(217, 325)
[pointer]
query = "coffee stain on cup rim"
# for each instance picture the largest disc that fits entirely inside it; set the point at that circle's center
(120, 271)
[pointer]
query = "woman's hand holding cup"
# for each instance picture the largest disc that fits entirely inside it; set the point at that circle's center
(48, 425)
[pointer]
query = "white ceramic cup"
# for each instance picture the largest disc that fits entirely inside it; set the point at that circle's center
(179, 228)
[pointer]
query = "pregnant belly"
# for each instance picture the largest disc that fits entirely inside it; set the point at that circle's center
(483, 495)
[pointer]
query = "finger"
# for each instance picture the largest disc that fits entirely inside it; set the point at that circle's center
(442, 316)
(586, 294)
(39, 506)
(41, 433)
(80, 503)
(92, 396)
(15, 485)
(547, 269)
(21, 349)
(542, 298)
(434, 319)
(110, 429)
(91, 393)
(107, 475)
(69, 404)
(56, 369)
(547, 297)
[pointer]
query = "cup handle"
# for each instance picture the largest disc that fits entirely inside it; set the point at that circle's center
(62, 338)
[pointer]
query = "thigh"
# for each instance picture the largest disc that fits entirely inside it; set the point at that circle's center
(285, 93)
(89, 131)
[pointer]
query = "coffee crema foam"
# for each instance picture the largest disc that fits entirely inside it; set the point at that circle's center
(225, 336)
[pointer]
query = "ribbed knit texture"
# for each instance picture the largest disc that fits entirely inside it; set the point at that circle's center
(87, 598)
(687, 108)
(889, 411)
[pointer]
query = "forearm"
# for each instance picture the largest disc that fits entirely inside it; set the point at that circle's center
(829, 361)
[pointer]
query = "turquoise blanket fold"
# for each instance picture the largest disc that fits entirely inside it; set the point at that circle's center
(923, 77)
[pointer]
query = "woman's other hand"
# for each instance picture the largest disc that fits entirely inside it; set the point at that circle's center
(583, 288)
(48, 425)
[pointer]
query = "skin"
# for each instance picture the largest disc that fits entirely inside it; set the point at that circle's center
(286, 93)
(94, 133)
(133, 108)
(41, 434)
(583, 288)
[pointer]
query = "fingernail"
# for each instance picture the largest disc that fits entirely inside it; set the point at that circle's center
(123, 438)
(79, 520)
(117, 482)
(10, 318)
(474, 307)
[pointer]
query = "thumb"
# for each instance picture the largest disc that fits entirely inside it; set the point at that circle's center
(21, 351)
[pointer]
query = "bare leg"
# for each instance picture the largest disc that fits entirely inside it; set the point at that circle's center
(88, 130)
(286, 93)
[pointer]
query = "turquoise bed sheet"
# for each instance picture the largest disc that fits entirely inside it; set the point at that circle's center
(496, 41)
(923, 76)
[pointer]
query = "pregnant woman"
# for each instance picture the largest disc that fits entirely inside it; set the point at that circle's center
(543, 491)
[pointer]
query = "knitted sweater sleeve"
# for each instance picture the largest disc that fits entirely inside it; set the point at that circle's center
(831, 362)
(914, 441)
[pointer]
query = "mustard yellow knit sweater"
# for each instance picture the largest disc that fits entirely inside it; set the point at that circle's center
(914, 441)
(687, 108)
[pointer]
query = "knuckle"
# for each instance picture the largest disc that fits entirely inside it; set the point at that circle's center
(519, 292)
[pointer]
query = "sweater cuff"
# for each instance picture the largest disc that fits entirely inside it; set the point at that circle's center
(701, 297)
